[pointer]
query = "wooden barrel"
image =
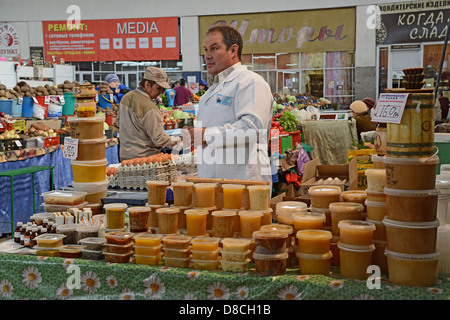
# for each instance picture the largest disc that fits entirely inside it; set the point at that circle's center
(414, 136)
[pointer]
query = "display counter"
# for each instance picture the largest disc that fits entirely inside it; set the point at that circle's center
(33, 277)
(62, 177)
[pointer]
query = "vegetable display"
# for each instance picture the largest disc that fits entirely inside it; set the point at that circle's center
(288, 121)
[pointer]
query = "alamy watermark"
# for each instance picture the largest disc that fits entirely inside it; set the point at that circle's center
(374, 20)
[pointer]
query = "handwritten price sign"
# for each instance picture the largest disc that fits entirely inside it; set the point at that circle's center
(390, 107)
(70, 149)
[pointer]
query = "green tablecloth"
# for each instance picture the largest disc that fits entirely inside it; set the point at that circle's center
(33, 278)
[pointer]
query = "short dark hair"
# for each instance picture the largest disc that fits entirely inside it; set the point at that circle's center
(182, 82)
(143, 80)
(230, 36)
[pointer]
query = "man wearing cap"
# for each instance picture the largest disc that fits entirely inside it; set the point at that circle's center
(118, 89)
(140, 122)
(363, 120)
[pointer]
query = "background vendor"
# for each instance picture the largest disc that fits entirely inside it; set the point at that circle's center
(118, 89)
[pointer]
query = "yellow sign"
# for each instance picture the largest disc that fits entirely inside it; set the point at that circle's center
(294, 31)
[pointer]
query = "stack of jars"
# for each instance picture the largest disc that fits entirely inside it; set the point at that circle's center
(411, 221)
(259, 200)
(177, 251)
(147, 248)
(205, 199)
(118, 247)
(235, 254)
(205, 253)
(89, 166)
(356, 248)
(271, 253)
(314, 254)
(182, 200)
(157, 193)
(376, 207)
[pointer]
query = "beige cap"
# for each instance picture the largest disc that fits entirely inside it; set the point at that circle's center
(358, 106)
(158, 75)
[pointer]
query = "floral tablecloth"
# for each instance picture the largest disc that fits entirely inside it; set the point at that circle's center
(35, 277)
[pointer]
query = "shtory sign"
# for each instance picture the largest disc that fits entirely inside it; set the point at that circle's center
(413, 22)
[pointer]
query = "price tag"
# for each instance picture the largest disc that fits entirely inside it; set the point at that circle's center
(70, 149)
(61, 99)
(18, 143)
(35, 100)
(20, 100)
(47, 99)
(96, 97)
(1, 126)
(390, 107)
(111, 97)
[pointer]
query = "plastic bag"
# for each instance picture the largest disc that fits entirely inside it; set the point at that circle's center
(302, 159)
(38, 111)
(54, 110)
(313, 112)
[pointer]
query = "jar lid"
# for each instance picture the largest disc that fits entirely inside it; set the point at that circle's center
(139, 209)
(196, 212)
(324, 190)
(376, 223)
(205, 185)
(117, 205)
(242, 241)
(312, 256)
(233, 186)
(170, 210)
(377, 172)
(411, 225)
(182, 184)
(378, 204)
(314, 233)
(411, 193)
(223, 213)
(413, 161)
(338, 206)
(427, 256)
(276, 226)
(92, 141)
(90, 187)
(157, 183)
(309, 216)
(291, 206)
(269, 234)
(354, 248)
(91, 163)
(262, 186)
(280, 256)
(206, 239)
(248, 213)
(359, 225)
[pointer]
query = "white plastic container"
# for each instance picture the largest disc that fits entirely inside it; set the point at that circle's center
(95, 191)
(285, 209)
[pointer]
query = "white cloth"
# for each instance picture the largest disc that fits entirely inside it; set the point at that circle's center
(240, 105)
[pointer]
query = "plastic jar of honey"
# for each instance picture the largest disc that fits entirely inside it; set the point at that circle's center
(354, 260)
(270, 264)
(379, 258)
(91, 149)
(356, 232)
(86, 127)
(196, 222)
(181, 216)
(314, 263)
(376, 210)
(115, 215)
(285, 209)
(412, 205)
(413, 269)
(380, 230)
(281, 227)
(250, 221)
(376, 196)
(147, 239)
(322, 196)
(176, 242)
(376, 179)
(411, 173)
(238, 245)
(378, 161)
(270, 241)
(326, 212)
(233, 195)
(344, 211)
(157, 191)
(358, 196)
(153, 218)
(205, 243)
(223, 223)
(314, 241)
(310, 220)
(168, 220)
(411, 237)
(96, 191)
(259, 197)
(205, 195)
(139, 218)
(182, 193)
(89, 171)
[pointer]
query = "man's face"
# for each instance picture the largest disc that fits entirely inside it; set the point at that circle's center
(153, 90)
(217, 57)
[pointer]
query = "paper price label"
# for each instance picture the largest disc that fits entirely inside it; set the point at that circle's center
(18, 143)
(390, 108)
(70, 149)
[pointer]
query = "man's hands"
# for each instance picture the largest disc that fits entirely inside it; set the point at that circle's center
(193, 136)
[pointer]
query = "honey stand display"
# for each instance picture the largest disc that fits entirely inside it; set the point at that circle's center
(89, 167)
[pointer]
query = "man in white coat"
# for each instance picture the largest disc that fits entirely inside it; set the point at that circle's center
(234, 116)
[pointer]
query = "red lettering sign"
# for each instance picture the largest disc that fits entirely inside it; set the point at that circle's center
(112, 40)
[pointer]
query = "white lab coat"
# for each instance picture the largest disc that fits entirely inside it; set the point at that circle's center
(241, 102)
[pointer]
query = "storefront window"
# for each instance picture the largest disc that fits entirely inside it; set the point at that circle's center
(431, 62)
(264, 62)
(312, 82)
(338, 82)
(290, 80)
(312, 60)
(288, 61)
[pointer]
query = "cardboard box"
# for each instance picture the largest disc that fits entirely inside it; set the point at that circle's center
(313, 172)
(54, 124)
